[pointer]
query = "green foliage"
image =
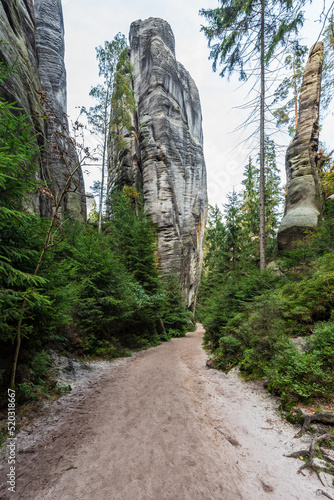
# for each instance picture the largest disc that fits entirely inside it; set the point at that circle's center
(134, 238)
(234, 31)
(250, 318)
(18, 250)
(37, 382)
(175, 316)
(303, 376)
(287, 91)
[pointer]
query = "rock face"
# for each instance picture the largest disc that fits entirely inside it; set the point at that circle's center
(50, 52)
(166, 158)
(17, 32)
(33, 33)
(303, 201)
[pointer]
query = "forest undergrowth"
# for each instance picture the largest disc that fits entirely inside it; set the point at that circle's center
(276, 325)
(96, 293)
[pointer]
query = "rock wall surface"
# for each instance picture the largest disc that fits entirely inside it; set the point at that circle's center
(33, 36)
(167, 157)
(304, 202)
(61, 157)
(18, 45)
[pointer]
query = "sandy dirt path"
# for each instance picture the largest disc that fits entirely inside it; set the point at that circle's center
(162, 426)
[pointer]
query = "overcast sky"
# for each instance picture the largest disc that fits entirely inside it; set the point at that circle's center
(88, 24)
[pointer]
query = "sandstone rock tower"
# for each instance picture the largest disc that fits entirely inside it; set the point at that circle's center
(303, 201)
(166, 156)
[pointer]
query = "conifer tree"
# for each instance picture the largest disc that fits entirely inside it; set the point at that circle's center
(232, 215)
(241, 32)
(250, 204)
(214, 241)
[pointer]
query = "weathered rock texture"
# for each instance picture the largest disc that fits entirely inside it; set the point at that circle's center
(34, 39)
(304, 202)
(61, 157)
(17, 33)
(166, 157)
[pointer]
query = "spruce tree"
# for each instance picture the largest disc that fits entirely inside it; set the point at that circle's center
(241, 32)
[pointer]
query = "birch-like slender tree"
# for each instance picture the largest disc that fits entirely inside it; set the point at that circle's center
(100, 115)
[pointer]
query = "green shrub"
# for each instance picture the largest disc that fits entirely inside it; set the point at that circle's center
(305, 376)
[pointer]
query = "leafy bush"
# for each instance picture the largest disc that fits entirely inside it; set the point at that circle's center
(303, 376)
(250, 317)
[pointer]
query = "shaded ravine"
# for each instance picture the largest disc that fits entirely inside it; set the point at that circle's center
(162, 426)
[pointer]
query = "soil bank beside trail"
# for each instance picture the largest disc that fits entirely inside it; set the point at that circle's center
(162, 426)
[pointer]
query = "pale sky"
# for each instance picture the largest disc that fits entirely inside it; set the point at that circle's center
(88, 24)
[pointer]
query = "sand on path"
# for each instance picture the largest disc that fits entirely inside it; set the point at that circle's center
(162, 426)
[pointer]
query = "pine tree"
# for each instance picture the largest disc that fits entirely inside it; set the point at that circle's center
(250, 204)
(273, 190)
(17, 182)
(135, 238)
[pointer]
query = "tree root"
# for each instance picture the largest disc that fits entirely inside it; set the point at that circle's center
(322, 492)
(311, 455)
(323, 418)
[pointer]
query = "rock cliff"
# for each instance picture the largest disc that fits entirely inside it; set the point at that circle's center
(303, 201)
(166, 157)
(18, 48)
(61, 156)
(33, 36)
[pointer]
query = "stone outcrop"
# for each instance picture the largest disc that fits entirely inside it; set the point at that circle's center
(33, 36)
(166, 154)
(303, 201)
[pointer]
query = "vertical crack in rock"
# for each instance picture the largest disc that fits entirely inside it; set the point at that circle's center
(169, 166)
(303, 201)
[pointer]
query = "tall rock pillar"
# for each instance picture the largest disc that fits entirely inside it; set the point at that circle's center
(168, 158)
(303, 201)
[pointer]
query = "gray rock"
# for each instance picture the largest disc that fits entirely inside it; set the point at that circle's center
(61, 157)
(33, 37)
(167, 157)
(304, 202)
(17, 32)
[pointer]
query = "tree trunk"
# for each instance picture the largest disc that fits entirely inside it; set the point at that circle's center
(102, 185)
(105, 139)
(262, 181)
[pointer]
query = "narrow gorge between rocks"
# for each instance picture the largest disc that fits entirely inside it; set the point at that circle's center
(166, 303)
